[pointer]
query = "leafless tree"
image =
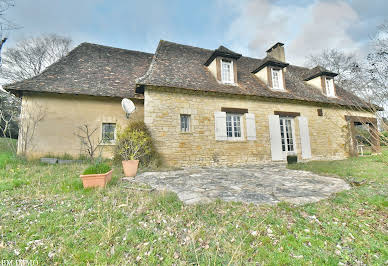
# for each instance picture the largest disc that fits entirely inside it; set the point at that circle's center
(5, 24)
(367, 78)
(338, 62)
(31, 56)
(378, 63)
(31, 116)
(7, 120)
(89, 144)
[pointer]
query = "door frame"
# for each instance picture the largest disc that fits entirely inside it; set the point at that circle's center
(292, 119)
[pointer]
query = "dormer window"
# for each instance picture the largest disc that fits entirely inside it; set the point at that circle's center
(227, 74)
(322, 79)
(223, 65)
(277, 79)
(330, 87)
(271, 72)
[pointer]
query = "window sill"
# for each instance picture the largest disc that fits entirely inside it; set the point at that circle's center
(277, 89)
(228, 83)
(107, 144)
(235, 140)
(186, 133)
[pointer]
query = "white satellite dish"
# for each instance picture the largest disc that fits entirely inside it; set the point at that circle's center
(128, 106)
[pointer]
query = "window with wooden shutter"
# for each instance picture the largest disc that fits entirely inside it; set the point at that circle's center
(234, 126)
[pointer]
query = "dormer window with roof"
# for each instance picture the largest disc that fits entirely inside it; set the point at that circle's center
(272, 68)
(323, 80)
(223, 65)
(227, 73)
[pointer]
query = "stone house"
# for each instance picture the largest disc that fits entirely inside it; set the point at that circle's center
(202, 107)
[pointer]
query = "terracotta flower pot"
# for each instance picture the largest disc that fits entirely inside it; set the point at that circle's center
(130, 167)
(96, 180)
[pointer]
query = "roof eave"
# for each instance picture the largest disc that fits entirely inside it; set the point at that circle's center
(270, 63)
(323, 73)
(221, 54)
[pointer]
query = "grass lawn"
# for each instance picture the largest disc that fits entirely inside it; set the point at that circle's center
(46, 215)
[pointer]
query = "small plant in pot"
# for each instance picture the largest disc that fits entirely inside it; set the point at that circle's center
(97, 175)
(133, 144)
(292, 158)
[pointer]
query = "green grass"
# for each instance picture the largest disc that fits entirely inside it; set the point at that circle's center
(98, 168)
(46, 215)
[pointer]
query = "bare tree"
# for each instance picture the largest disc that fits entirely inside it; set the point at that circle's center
(31, 56)
(89, 144)
(7, 122)
(345, 65)
(5, 24)
(378, 64)
(10, 107)
(367, 78)
(31, 116)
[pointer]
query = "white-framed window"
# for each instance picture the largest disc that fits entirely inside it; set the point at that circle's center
(185, 123)
(108, 132)
(227, 73)
(234, 126)
(277, 79)
(330, 87)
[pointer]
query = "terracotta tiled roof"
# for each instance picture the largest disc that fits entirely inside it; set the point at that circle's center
(90, 69)
(182, 66)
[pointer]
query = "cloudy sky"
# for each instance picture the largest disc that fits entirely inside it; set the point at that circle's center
(246, 26)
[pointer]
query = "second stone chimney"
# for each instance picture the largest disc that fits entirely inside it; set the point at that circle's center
(277, 52)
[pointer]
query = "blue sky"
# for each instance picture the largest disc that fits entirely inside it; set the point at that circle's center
(246, 26)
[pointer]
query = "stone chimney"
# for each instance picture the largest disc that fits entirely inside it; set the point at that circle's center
(277, 52)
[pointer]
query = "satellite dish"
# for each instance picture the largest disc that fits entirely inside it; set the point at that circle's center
(128, 106)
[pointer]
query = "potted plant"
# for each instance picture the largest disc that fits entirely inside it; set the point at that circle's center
(133, 144)
(97, 175)
(292, 158)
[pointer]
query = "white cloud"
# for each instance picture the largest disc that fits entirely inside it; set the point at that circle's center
(304, 29)
(328, 28)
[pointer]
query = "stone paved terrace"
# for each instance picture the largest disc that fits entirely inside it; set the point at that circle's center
(261, 184)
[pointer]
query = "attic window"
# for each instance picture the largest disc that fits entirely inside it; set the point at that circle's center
(277, 79)
(330, 87)
(227, 75)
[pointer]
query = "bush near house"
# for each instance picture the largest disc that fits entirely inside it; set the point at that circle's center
(46, 215)
(134, 142)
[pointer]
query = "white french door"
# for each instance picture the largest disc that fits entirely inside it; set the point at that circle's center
(287, 135)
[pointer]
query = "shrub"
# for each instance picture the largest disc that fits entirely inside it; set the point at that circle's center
(135, 143)
(98, 168)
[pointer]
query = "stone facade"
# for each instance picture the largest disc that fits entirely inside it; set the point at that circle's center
(329, 133)
(55, 134)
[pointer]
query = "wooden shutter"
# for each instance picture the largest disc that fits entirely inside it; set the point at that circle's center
(251, 126)
(220, 125)
(275, 140)
(304, 137)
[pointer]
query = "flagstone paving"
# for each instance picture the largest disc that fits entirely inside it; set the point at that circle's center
(262, 184)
